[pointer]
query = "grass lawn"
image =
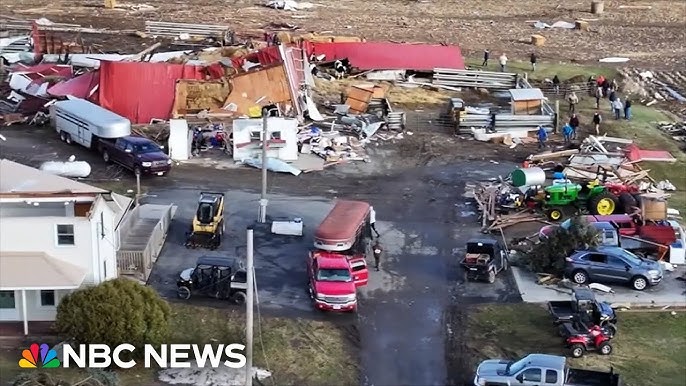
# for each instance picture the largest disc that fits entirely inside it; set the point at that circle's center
(296, 351)
(650, 348)
(545, 70)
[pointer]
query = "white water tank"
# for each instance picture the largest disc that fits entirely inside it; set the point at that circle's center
(74, 169)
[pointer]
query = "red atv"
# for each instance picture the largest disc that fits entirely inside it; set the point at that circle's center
(583, 339)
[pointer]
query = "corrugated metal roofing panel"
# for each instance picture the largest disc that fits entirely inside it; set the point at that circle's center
(526, 94)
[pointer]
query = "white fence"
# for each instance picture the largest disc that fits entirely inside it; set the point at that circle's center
(476, 79)
(139, 262)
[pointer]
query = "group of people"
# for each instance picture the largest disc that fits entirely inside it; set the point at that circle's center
(601, 88)
(502, 60)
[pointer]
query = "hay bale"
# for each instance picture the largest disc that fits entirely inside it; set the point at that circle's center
(581, 25)
(537, 40)
(346, 39)
(284, 37)
(597, 7)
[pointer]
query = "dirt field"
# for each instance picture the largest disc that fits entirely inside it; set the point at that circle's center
(650, 36)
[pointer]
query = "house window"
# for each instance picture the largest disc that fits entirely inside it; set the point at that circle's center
(65, 234)
(276, 135)
(47, 298)
(7, 299)
(255, 135)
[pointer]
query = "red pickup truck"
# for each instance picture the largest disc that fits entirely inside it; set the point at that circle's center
(339, 265)
(662, 234)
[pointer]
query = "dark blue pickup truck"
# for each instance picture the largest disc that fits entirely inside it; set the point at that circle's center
(138, 154)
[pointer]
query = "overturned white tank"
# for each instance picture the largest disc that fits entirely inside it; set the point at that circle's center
(73, 169)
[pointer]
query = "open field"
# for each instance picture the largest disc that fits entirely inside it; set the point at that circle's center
(649, 349)
(296, 351)
(647, 36)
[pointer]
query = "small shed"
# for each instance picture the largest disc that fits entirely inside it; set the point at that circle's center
(526, 101)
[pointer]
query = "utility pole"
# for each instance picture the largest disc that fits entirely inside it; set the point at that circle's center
(249, 308)
(263, 197)
(138, 188)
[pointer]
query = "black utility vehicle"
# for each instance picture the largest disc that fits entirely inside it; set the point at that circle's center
(585, 308)
(216, 277)
(484, 259)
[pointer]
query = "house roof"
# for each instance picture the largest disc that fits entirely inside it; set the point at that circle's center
(526, 94)
(37, 270)
(119, 205)
(18, 178)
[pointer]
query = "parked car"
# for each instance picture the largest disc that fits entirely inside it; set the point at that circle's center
(612, 264)
(138, 154)
(540, 369)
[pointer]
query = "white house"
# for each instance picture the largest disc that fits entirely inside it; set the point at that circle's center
(56, 235)
(282, 142)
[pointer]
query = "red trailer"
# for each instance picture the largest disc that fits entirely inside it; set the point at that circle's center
(340, 265)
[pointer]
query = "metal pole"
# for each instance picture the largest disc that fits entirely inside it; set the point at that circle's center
(557, 116)
(138, 187)
(263, 197)
(249, 309)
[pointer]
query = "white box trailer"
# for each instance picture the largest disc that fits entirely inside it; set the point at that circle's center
(80, 121)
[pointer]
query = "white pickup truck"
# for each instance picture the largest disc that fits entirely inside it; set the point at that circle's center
(540, 370)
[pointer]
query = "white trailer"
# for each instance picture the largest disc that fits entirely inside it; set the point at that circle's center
(80, 121)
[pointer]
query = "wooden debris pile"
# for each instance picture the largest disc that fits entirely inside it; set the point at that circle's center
(498, 207)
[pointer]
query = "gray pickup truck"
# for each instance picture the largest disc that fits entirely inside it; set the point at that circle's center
(540, 370)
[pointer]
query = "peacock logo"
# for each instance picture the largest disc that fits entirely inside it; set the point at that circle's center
(31, 359)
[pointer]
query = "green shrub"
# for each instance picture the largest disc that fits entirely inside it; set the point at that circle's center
(549, 255)
(114, 312)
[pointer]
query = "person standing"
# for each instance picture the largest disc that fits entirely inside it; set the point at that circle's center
(596, 122)
(556, 84)
(612, 97)
(573, 101)
(617, 107)
(627, 109)
(503, 62)
(598, 96)
(372, 220)
(542, 135)
(532, 59)
(574, 123)
(567, 133)
(487, 54)
(377, 251)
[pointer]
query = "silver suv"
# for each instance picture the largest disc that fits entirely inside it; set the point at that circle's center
(612, 264)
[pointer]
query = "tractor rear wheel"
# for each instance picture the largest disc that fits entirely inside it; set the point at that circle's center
(554, 214)
(602, 204)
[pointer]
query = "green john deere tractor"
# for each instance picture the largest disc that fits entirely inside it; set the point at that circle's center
(567, 197)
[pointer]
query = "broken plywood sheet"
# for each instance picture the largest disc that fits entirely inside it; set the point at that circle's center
(193, 96)
(379, 90)
(358, 99)
(259, 87)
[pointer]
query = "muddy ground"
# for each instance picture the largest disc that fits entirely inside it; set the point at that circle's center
(653, 37)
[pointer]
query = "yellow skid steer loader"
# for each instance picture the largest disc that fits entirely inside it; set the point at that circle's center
(207, 228)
